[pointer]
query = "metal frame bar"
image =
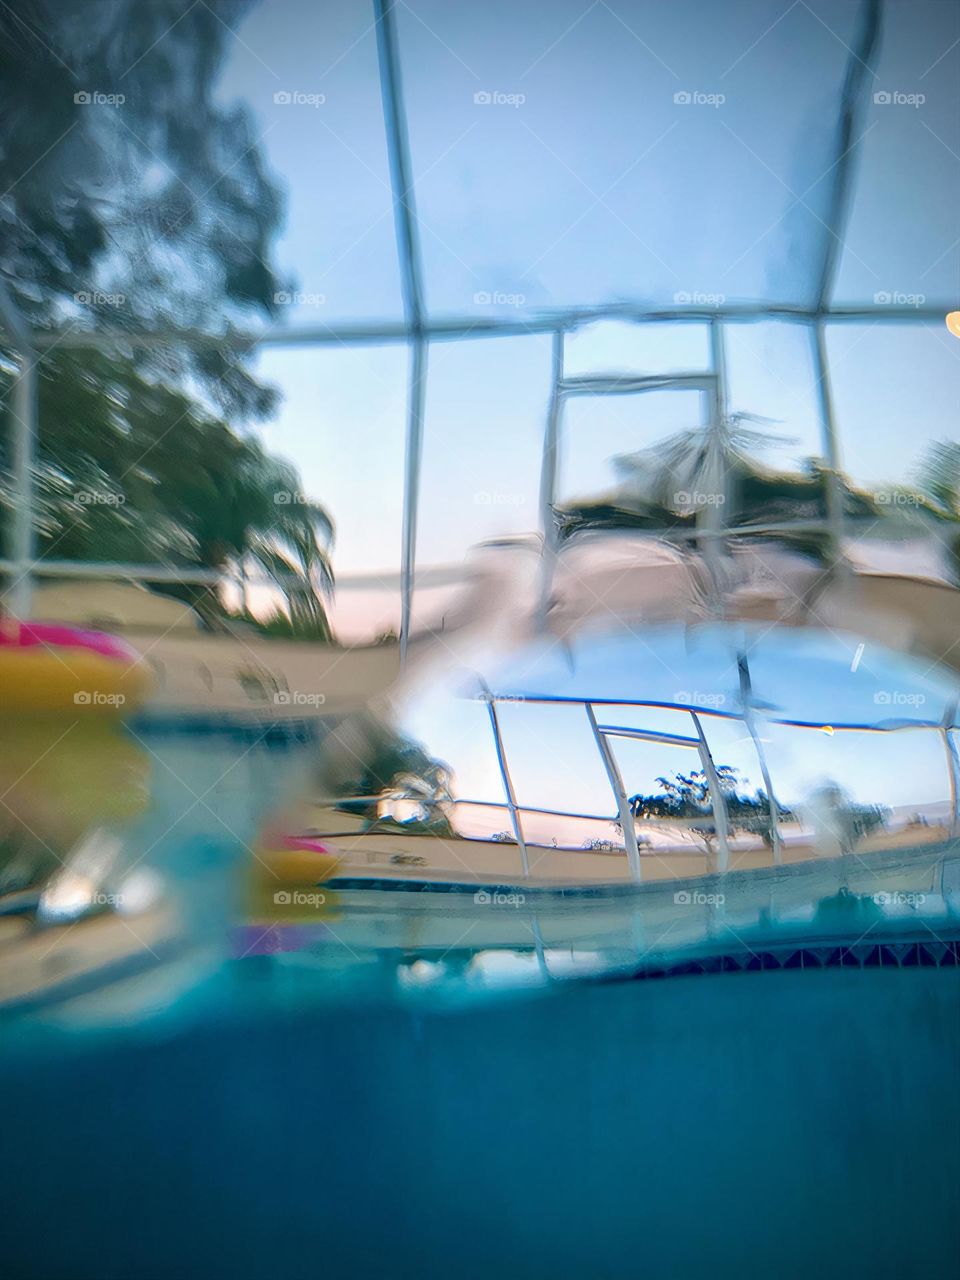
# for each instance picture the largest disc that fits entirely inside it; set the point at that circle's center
(456, 328)
(511, 795)
(615, 779)
(648, 735)
(418, 331)
(548, 480)
(628, 384)
(720, 818)
(750, 720)
(563, 700)
(949, 736)
(709, 518)
(411, 487)
(411, 281)
(23, 409)
(834, 523)
(587, 385)
(857, 82)
(532, 808)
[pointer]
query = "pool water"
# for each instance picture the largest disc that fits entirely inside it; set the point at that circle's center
(414, 1083)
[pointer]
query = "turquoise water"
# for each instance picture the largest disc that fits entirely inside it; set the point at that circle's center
(418, 1085)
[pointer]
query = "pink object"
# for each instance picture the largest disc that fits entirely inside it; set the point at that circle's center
(27, 635)
(306, 842)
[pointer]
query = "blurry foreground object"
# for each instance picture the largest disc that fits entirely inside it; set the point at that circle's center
(60, 669)
(624, 751)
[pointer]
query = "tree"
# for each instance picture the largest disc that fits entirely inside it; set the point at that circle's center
(686, 797)
(940, 483)
(136, 201)
(671, 484)
(394, 765)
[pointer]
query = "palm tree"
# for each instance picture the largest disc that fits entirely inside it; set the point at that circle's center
(689, 469)
(262, 518)
(711, 475)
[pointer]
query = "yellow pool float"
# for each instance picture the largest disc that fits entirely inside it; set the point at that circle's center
(52, 668)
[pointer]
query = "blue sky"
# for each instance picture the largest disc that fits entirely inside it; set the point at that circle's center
(508, 204)
(580, 179)
(802, 675)
(598, 187)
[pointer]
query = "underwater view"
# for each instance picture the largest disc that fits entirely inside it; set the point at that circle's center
(480, 640)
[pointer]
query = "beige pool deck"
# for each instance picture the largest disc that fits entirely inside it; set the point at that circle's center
(390, 855)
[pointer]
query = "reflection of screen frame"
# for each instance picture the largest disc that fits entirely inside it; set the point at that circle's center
(605, 734)
(419, 329)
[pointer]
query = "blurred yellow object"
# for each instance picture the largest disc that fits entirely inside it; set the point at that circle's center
(70, 680)
(287, 883)
(297, 866)
(953, 323)
(60, 777)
